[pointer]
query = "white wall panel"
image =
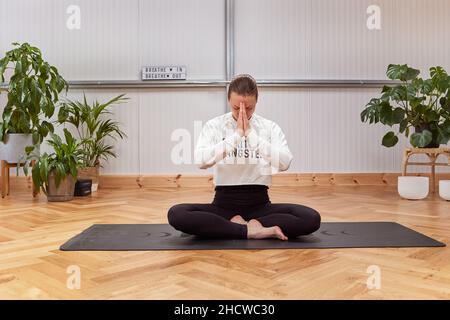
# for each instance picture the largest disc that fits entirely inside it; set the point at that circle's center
(329, 39)
(342, 47)
(163, 111)
(340, 142)
(118, 37)
(272, 38)
(190, 33)
(104, 48)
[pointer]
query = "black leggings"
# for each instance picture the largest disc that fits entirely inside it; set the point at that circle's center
(251, 202)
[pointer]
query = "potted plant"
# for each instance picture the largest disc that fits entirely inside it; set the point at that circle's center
(33, 89)
(56, 173)
(413, 103)
(94, 128)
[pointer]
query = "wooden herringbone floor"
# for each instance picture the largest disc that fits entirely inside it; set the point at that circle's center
(32, 267)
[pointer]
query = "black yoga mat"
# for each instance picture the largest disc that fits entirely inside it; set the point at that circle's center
(111, 237)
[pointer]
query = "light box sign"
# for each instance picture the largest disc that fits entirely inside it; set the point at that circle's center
(164, 73)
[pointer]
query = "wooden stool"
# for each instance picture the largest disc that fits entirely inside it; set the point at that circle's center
(5, 166)
(432, 154)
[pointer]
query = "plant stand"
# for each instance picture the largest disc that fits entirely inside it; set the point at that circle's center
(5, 166)
(432, 154)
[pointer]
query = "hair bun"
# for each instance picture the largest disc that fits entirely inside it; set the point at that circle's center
(244, 75)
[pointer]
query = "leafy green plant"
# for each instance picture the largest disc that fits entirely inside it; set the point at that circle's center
(32, 92)
(65, 159)
(93, 127)
(423, 104)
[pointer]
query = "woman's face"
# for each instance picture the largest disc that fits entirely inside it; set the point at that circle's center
(249, 104)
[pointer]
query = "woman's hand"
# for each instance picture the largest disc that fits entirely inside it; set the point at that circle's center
(243, 125)
(240, 120)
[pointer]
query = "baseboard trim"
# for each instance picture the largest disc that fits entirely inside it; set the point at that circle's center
(278, 180)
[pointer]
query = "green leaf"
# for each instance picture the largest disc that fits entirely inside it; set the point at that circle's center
(36, 176)
(389, 139)
(44, 169)
(445, 126)
(421, 139)
(416, 101)
(63, 114)
(411, 74)
(48, 126)
(401, 72)
(443, 136)
(403, 125)
(372, 111)
(25, 168)
(29, 149)
(68, 136)
(431, 115)
(398, 115)
(18, 68)
(73, 169)
(387, 114)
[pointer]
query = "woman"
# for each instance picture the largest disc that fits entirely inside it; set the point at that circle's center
(244, 149)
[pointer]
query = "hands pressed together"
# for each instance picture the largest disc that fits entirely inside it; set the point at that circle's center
(243, 125)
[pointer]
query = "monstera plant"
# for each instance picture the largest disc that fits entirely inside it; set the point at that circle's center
(421, 104)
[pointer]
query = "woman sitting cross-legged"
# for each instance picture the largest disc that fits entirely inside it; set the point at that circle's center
(244, 149)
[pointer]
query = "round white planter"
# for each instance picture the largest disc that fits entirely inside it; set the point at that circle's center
(413, 188)
(444, 189)
(14, 147)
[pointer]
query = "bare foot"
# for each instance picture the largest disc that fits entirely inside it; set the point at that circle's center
(238, 219)
(255, 230)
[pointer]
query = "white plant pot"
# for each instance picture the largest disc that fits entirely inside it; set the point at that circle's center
(413, 188)
(14, 147)
(444, 189)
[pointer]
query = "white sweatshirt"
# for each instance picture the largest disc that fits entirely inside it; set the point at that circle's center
(242, 160)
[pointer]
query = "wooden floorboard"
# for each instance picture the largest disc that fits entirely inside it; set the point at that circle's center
(32, 267)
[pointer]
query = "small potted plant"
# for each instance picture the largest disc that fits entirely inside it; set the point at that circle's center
(56, 173)
(413, 103)
(94, 129)
(33, 89)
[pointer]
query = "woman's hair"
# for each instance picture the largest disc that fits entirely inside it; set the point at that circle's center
(244, 85)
